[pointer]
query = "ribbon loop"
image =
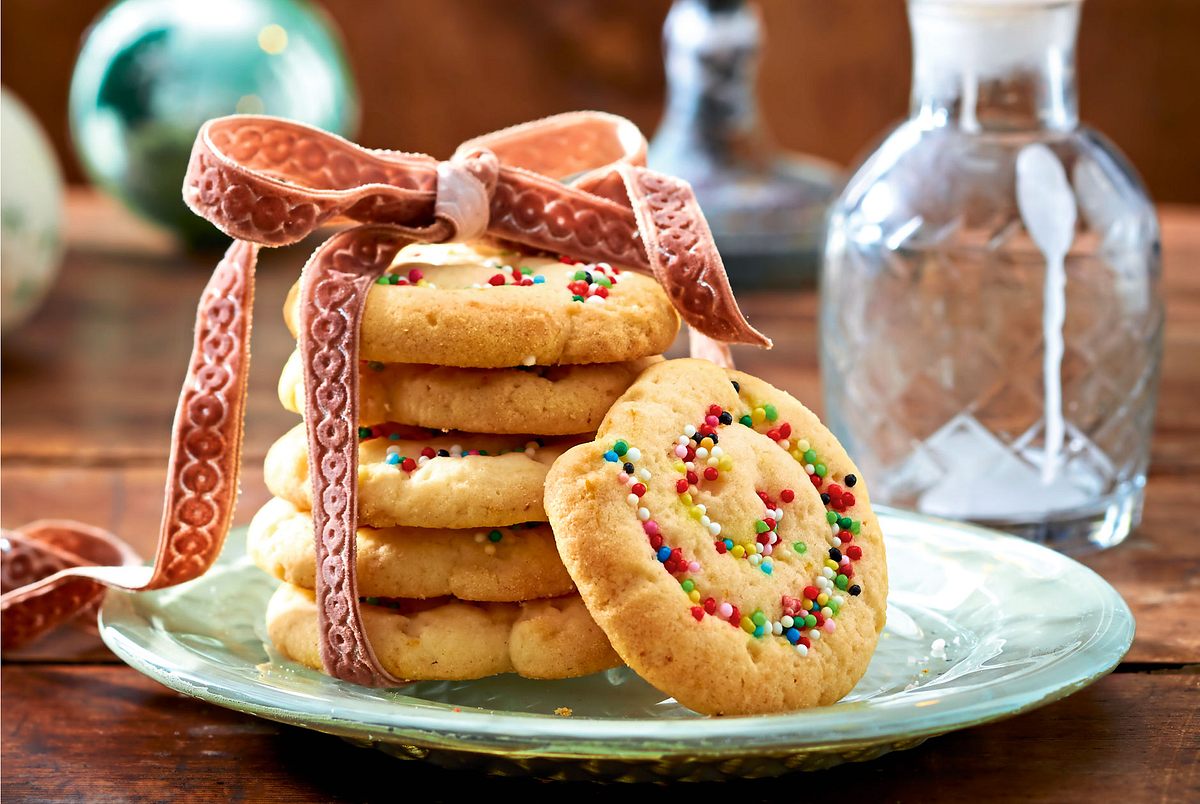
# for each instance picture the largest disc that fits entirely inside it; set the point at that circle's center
(273, 182)
(565, 145)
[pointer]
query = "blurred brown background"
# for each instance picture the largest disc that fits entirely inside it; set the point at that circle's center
(836, 72)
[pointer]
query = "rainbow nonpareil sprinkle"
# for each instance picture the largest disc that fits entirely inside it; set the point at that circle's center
(408, 465)
(699, 460)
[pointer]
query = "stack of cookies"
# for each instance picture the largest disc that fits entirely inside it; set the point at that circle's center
(480, 366)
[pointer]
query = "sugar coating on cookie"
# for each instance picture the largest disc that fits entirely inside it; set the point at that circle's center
(724, 541)
(548, 400)
(483, 307)
(448, 639)
(501, 564)
(455, 480)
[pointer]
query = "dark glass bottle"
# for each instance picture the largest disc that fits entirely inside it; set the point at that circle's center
(766, 206)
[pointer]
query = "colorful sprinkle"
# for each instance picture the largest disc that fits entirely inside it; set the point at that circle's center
(592, 283)
(698, 459)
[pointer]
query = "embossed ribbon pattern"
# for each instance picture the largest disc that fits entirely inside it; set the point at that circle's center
(202, 476)
(334, 289)
(572, 184)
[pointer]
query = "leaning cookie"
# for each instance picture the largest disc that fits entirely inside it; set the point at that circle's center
(479, 307)
(458, 480)
(724, 541)
(550, 400)
(449, 639)
(493, 564)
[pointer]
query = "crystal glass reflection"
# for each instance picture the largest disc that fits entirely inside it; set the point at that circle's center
(991, 325)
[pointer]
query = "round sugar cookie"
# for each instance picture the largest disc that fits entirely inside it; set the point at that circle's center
(550, 400)
(481, 307)
(489, 564)
(753, 581)
(448, 639)
(455, 480)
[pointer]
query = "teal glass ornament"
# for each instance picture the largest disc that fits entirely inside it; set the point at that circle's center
(152, 71)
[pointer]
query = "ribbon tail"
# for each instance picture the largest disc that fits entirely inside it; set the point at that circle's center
(680, 248)
(333, 292)
(202, 474)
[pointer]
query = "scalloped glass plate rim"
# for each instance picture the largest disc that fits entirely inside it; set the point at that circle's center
(430, 724)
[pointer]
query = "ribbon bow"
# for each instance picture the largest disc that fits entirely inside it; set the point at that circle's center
(271, 181)
(572, 184)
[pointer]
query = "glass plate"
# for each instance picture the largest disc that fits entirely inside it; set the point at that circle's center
(1021, 626)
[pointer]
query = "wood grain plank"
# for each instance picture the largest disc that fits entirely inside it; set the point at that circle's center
(125, 501)
(108, 733)
(94, 377)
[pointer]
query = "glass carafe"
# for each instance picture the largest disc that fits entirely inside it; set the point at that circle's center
(991, 327)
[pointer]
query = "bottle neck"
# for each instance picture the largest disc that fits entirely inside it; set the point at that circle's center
(711, 51)
(994, 66)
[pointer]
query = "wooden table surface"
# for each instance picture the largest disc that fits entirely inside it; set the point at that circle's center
(89, 386)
